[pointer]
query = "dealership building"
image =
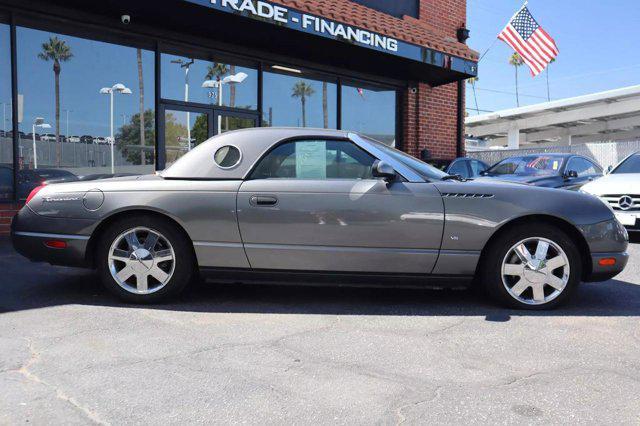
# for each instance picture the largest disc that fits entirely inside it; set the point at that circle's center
(127, 87)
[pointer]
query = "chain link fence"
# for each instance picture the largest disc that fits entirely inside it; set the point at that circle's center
(605, 153)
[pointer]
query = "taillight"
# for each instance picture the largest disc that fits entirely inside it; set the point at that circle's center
(33, 193)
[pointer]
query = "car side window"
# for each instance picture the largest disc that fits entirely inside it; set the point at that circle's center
(459, 168)
(477, 167)
(315, 159)
(583, 167)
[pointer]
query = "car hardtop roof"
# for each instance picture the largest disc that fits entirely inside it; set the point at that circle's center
(252, 143)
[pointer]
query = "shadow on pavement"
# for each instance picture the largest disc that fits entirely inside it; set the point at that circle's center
(25, 285)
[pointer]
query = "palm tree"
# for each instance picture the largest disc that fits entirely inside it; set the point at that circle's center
(548, 91)
(143, 155)
(216, 70)
(56, 50)
(472, 81)
(302, 90)
(325, 110)
(516, 61)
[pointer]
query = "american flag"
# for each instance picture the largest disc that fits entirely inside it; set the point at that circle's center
(532, 43)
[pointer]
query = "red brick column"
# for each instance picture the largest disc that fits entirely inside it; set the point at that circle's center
(430, 117)
(7, 211)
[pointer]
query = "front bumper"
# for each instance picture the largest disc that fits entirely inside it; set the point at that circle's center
(603, 273)
(30, 232)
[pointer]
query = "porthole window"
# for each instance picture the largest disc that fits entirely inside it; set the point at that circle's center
(227, 157)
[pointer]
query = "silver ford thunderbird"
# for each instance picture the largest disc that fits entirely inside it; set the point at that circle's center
(321, 207)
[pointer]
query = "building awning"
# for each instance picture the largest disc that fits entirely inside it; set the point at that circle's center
(275, 31)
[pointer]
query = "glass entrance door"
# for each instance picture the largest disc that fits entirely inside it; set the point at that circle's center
(227, 121)
(184, 126)
(182, 129)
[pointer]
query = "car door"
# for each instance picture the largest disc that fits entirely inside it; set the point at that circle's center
(314, 205)
(585, 169)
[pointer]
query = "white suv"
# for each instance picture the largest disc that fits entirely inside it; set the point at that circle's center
(620, 188)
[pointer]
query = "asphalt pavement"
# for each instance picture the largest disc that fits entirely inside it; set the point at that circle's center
(227, 354)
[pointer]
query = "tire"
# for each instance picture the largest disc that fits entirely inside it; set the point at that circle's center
(536, 284)
(152, 267)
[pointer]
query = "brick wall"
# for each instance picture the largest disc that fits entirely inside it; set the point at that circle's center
(430, 120)
(7, 211)
(431, 113)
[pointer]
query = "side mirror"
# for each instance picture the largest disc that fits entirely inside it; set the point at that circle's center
(383, 170)
(571, 174)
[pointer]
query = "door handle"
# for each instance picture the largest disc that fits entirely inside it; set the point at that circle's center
(263, 200)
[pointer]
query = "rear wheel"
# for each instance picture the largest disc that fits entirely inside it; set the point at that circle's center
(536, 266)
(144, 259)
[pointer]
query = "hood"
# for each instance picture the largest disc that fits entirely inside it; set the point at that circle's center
(621, 183)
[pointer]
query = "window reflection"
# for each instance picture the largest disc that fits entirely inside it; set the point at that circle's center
(6, 141)
(66, 85)
(183, 131)
(370, 110)
(297, 101)
(183, 79)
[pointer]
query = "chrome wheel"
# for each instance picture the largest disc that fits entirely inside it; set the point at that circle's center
(141, 260)
(535, 271)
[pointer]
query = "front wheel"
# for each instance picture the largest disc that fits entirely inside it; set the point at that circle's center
(144, 259)
(536, 266)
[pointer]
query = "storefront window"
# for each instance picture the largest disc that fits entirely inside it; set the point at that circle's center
(6, 140)
(298, 101)
(66, 87)
(197, 80)
(370, 110)
(183, 131)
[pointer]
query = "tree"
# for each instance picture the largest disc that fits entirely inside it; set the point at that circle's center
(548, 91)
(302, 91)
(141, 115)
(199, 132)
(472, 81)
(57, 51)
(516, 61)
(325, 110)
(129, 142)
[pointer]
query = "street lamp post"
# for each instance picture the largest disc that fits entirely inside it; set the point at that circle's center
(116, 88)
(38, 122)
(186, 65)
(230, 79)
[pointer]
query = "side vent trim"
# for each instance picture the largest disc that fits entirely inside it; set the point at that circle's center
(465, 195)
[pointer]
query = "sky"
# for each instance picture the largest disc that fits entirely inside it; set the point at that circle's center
(598, 42)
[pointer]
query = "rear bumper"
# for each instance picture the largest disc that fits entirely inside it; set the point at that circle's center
(603, 273)
(30, 232)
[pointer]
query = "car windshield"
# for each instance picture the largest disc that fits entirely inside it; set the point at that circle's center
(540, 165)
(425, 170)
(630, 165)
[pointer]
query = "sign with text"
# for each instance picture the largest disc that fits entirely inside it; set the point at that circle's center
(287, 17)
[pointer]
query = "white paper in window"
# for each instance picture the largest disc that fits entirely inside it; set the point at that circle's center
(311, 160)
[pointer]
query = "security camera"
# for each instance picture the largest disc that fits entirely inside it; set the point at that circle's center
(125, 19)
(413, 90)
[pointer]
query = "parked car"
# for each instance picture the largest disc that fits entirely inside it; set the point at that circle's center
(321, 206)
(568, 171)
(6, 181)
(28, 179)
(100, 140)
(620, 188)
(74, 139)
(464, 167)
(86, 139)
(48, 137)
(30, 136)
